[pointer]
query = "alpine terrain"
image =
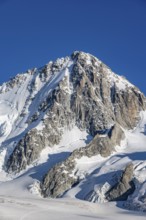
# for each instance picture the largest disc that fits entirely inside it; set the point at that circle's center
(72, 143)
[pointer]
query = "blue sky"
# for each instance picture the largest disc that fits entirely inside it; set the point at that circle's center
(32, 32)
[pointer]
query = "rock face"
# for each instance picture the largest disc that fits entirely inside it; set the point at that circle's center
(76, 91)
(124, 187)
(137, 201)
(29, 147)
(62, 177)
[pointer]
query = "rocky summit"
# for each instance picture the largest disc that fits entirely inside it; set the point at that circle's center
(73, 121)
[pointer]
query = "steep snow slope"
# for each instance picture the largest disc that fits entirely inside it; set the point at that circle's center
(20, 100)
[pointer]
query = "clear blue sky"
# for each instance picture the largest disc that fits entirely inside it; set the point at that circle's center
(32, 32)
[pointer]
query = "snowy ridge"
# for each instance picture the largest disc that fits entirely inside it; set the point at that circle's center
(120, 81)
(15, 111)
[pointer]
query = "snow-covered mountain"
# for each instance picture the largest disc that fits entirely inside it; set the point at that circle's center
(73, 129)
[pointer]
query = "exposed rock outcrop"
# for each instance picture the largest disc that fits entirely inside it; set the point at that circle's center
(63, 176)
(124, 187)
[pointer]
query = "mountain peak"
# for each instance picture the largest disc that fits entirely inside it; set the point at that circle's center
(69, 109)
